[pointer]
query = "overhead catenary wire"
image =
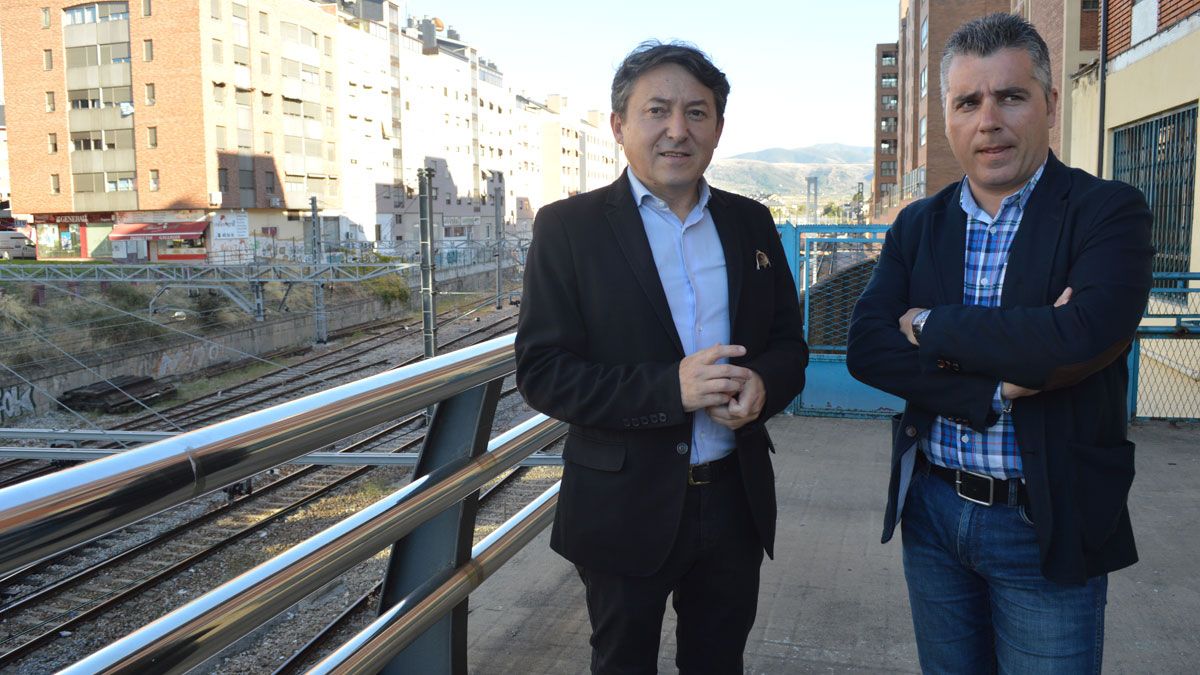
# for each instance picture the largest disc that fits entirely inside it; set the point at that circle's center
(96, 374)
(50, 396)
(193, 336)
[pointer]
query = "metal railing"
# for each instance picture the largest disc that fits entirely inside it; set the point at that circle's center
(1164, 362)
(428, 522)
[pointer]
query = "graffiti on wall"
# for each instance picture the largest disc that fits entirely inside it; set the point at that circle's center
(179, 361)
(15, 401)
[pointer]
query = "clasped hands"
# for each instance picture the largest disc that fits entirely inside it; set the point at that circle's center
(1008, 390)
(732, 396)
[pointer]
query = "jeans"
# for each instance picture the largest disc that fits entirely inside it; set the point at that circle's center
(979, 601)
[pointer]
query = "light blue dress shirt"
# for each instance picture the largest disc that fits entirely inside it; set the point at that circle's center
(691, 266)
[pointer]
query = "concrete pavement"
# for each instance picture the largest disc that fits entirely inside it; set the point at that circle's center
(834, 601)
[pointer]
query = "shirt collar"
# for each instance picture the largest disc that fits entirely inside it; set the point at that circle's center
(1021, 197)
(641, 193)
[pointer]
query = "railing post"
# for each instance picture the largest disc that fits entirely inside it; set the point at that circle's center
(459, 431)
(1135, 354)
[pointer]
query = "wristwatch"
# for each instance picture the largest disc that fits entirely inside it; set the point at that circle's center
(918, 323)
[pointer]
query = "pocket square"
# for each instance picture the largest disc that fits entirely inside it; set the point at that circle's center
(761, 261)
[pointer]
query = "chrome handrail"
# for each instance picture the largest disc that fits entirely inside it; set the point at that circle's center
(50, 514)
(191, 634)
(377, 644)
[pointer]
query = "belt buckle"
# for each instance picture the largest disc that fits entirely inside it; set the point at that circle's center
(991, 487)
(692, 479)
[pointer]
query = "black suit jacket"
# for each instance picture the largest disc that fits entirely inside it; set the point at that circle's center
(597, 348)
(1078, 231)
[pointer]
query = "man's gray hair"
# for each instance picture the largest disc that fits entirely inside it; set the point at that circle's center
(989, 34)
(652, 54)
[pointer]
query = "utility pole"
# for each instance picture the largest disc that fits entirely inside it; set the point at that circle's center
(428, 302)
(319, 318)
(499, 234)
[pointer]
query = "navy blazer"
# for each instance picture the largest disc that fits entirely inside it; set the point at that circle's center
(597, 348)
(1079, 231)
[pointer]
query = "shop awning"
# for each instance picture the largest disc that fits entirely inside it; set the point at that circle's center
(159, 230)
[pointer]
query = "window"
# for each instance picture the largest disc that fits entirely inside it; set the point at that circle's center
(888, 81)
(264, 63)
(215, 9)
(54, 186)
(887, 147)
(888, 101)
(1158, 157)
(218, 93)
(146, 8)
(266, 104)
(116, 52)
(88, 182)
(87, 140)
(240, 11)
(115, 96)
(218, 51)
(84, 98)
(47, 59)
(223, 180)
(329, 117)
(52, 143)
(888, 125)
(80, 57)
(329, 80)
(887, 168)
(147, 50)
(49, 101)
(887, 59)
(45, 17)
(150, 97)
(328, 46)
(119, 181)
(269, 182)
(924, 32)
(246, 178)
(241, 97)
(268, 142)
(220, 137)
(118, 139)
(924, 81)
(152, 137)
(154, 180)
(264, 23)
(289, 68)
(922, 131)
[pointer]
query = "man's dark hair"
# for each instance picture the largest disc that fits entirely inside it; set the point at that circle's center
(989, 34)
(652, 54)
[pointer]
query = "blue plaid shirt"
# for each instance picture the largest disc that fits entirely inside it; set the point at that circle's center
(993, 452)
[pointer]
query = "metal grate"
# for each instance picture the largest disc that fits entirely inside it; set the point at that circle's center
(1158, 156)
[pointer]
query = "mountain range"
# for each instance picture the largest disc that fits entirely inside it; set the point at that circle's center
(782, 172)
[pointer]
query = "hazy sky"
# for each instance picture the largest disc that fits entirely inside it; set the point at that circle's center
(801, 71)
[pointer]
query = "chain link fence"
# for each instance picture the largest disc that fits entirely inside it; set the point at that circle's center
(1165, 361)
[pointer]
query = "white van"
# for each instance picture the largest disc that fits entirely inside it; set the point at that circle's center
(16, 245)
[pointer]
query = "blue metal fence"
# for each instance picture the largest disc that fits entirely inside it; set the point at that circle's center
(832, 265)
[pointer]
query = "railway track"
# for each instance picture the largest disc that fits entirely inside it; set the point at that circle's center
(44, 601)
(313, 373)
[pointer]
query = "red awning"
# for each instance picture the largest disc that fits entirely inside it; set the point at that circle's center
(158, 230)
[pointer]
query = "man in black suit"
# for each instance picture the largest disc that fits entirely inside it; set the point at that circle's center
(1002, 309)
(660, 320)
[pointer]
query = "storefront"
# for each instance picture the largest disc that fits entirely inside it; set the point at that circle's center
(159, 241)
(73, 236)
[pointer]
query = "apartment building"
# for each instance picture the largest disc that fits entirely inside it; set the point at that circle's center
(600, 158)
(884, 195)
(1147, 120)
(186, 130)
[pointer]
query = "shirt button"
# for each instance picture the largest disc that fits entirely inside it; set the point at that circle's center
(992, 230)
(966, 438)
(682, 448)
(985, 282)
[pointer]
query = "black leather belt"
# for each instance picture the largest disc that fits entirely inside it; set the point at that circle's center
(978, 488)
(711, 472)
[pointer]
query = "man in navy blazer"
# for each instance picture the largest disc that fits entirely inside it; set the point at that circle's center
(660, 320)
(1002, 310)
